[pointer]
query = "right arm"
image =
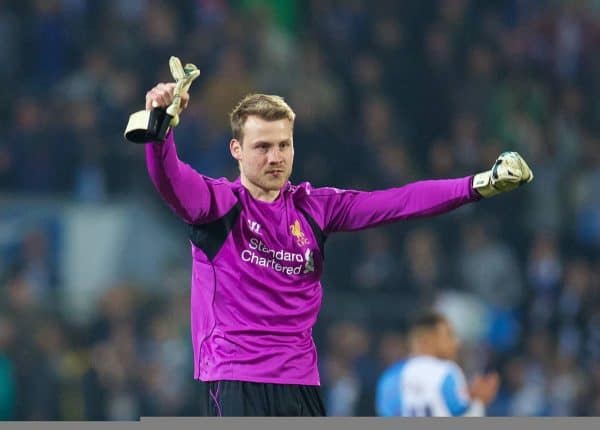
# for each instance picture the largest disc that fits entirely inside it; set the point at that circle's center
(194, 197)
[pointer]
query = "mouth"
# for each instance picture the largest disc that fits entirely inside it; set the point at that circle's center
(275, 172)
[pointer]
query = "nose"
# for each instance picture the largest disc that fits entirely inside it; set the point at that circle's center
(275, 156)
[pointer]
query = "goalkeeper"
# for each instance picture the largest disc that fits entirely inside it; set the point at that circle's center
(257, 247)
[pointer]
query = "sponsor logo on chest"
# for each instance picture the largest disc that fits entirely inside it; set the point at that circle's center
(280, 260)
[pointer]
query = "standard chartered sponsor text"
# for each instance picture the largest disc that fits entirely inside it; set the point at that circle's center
(267, 257)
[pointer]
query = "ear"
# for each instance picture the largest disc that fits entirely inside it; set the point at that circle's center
(235, 147)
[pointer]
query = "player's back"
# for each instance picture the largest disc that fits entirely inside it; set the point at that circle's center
(422, 386)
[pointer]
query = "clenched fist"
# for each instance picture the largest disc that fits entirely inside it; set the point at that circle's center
(162, 96)
(164, 103)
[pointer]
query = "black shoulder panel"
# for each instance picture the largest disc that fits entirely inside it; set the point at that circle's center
(319, 234)
(211, 237)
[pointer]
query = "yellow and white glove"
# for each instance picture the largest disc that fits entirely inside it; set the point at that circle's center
(509, 171)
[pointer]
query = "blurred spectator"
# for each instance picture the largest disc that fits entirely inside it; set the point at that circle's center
(49, 42)
(7, 371)
(489, 268)
(9, 37)
(424, 267)
(587, 202)
(520, 397)
(349, 372)
(315, 95)
(566, 388)
(36, 266)
(544, 273)
(392, 348)
(375, 268)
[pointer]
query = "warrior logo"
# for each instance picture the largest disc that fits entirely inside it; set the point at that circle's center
(254, 226)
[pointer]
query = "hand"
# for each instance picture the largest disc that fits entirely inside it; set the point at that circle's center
(162, 96)
(509, 171)
(151, 124)
(485, 387)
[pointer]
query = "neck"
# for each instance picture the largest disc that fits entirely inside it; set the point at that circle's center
(423, 348)
(259, 193)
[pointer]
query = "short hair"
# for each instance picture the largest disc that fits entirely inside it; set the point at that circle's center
(265, 106)
(428, 320)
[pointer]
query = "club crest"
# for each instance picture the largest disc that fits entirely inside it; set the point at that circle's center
(297, 232)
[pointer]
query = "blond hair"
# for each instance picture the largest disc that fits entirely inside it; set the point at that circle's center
(265, 106)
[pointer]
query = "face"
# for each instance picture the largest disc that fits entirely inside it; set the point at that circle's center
(446, 342)
(266, 154)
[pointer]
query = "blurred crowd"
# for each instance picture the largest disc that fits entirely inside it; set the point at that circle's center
(385, 92)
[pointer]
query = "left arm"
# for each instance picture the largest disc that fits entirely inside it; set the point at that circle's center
(468, 401)
(455, 394)
(348, 210)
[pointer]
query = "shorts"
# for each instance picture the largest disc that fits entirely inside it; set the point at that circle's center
(240, 398)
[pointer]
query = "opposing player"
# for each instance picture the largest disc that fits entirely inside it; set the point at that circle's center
(257, 248)
(429, 382)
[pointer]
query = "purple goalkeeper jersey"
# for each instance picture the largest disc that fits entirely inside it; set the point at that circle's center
(255, 289)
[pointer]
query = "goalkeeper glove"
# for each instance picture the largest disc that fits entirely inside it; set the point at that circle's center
(509, 171)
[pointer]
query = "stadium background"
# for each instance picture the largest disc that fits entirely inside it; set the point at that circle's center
(95, 268)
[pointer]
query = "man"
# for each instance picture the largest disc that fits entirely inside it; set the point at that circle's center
(430, 383)
(257, 252)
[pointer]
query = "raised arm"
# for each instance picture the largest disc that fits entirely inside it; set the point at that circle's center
(194, 197)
